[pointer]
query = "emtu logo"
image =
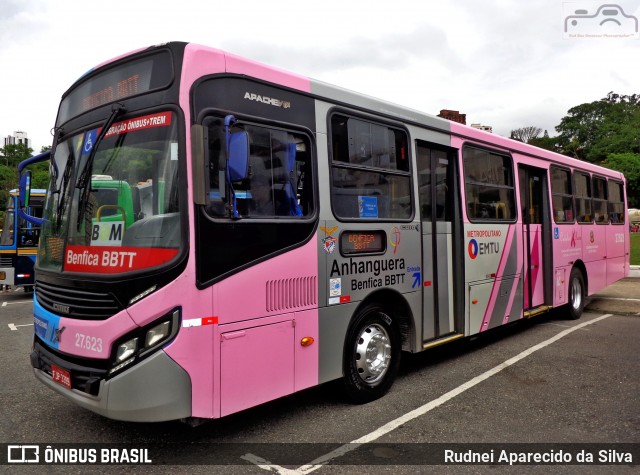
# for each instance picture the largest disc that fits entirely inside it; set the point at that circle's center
(589, 20)
(473, 249)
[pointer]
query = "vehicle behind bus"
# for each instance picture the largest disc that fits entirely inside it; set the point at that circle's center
(19, 243)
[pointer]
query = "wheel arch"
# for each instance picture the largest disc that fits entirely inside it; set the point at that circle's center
(398, 309)
(585, 277)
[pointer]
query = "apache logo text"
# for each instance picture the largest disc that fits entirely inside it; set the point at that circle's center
(267, 100)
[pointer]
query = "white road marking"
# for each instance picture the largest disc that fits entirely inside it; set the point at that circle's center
(422, 410)
(14, 327)
(4, 304)
(617, 298)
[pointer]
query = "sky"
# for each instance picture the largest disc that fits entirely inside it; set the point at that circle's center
(507, 64)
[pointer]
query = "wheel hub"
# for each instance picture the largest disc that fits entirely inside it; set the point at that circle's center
(576, 294)
(373, 353)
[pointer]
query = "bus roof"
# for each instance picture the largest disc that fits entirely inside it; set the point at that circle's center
(207, 60)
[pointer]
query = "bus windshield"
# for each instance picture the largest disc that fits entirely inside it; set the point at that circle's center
(126, 217)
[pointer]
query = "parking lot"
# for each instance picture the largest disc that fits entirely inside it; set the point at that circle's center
(548, 383)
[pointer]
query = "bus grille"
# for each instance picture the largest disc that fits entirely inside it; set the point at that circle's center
(83, 378)
(6, 261)
(76, 303)
(288, 294)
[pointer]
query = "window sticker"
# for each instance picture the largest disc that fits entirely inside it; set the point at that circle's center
(368, 206)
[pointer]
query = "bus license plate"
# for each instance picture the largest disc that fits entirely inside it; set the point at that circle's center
(61, 376)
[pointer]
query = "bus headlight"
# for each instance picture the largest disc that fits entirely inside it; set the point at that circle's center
(157, 334)
(126, 350)
(140, 343)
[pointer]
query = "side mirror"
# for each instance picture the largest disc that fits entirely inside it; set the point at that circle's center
(24, 196)
(25, 189)
(237, 159)
(238, 153)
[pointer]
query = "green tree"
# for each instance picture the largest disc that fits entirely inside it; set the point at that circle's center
(12, 155)
(629, 165)
(10, 158)
(593, 130)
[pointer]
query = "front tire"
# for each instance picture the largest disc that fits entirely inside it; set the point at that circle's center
(576, 294)
(371, 355)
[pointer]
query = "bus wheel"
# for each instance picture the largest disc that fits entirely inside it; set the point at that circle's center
(576, 294)
(371, 355)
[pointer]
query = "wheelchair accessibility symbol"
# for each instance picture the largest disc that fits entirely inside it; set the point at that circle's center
(89, 140)
(606, 21)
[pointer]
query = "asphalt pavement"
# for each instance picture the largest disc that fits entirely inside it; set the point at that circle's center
(621, 298)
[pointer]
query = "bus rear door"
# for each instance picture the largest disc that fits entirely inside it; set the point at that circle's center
(536, 228)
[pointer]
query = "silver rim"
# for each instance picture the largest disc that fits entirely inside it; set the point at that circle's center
(373, 353)
(576, 293)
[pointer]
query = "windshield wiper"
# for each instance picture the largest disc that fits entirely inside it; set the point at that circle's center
(84, 181)
(62, 191)
(116, 111)
(54, 166)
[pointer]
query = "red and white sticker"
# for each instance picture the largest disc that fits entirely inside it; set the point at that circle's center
(198, 322)
(161, 119)
(114, 259)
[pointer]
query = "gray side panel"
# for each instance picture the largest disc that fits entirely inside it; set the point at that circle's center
(345, 96)
(157, 389)
(445, 278)
(506, 286)
(427, 276)
(333, 324)
(324, 204)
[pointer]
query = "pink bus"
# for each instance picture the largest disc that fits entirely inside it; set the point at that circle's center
(219, 233)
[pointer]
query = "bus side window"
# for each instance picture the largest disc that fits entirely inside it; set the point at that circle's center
(561, 195)
(600, 200)
(616, 202)
(370, 176)
(489, 185)
(278, 183)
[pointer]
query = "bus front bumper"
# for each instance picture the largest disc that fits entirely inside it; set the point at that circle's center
(156, 389)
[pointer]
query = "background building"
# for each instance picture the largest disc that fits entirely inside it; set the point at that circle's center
(486, 128)
(18, 137)
(454, 116)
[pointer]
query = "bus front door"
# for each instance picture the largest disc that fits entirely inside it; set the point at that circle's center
(535, 236)
(439, 205)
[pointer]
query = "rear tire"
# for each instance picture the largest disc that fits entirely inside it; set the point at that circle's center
(371, 355)
(576, 294)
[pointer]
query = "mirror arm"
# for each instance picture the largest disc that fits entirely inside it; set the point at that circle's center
(29, 218)
(38, 158)
(25, 188)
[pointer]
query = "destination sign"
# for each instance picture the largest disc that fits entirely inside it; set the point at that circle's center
(362, 242)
